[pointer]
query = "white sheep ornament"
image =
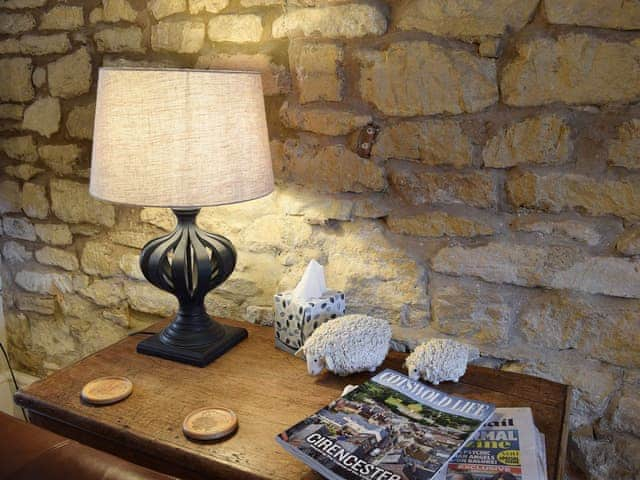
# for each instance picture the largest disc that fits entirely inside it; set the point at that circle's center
(346, 345)
(440, 360)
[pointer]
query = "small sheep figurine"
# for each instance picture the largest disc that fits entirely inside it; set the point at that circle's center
(348, 344)
(440, 360)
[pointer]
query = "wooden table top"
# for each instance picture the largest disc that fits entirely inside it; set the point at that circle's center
(268, 389)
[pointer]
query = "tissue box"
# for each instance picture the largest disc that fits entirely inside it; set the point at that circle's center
(295, 320)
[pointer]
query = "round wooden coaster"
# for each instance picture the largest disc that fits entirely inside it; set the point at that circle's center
(209, 423)
(106, 390)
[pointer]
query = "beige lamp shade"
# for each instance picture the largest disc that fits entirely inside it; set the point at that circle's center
(179, 138)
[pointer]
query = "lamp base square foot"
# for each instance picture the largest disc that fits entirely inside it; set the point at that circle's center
(200, 357)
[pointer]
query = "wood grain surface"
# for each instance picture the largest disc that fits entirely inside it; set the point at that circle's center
(269, 390)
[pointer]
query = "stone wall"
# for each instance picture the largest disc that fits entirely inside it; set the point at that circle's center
(500, 205)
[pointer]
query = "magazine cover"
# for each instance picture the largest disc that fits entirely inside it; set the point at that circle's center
(509, 447)
(388, 428)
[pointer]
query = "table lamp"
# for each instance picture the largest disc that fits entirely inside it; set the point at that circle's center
(182, 139)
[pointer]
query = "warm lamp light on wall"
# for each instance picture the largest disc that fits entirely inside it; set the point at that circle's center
(182, 139)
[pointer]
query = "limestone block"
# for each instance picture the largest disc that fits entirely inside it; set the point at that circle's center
(180, 37)
(24, 171)
(62, 159)
(235, 28)
(596, 455)
(316, 70)
(432, 142)
(43, 116)
(19, 148)
(604, 328)
(336, 21)
(544, 140)
(259, 315)
(18, 4)
(15, 79)
(93, 332)
(624, 151)
(44, 282)
(594, 13)
(160, 217)
(629, 242)
(146, 298)
(71, 202)
(275, 78)
(315, 208)
(573, 229)
(117, 10)
(439, 224)
(73, 305)
(84, 229)
(62, 17)
(106, 293)
(96, 15)
(542, 266)
(119, 39)
(464, 19)
(15, 253)
(164, 8)
(57, 258)
(130, 265)
(625, 418)
(273, 231)
(322, 120)
(10, 199)
(364, 264)
(333, 168)
(211, 6)
(575, 69)
(28, 302)
(426, 79)
(260, 3)
(34, 200)
(36, 44)
(471, 310)
(418, 187)
(131, 238)
(119, 316)
(52, 341)
(555, 192)
(80, 122)
(70, 75)
(54, 233)
(14, 23)
(21, 228)
(11, 111)
(593, 382)
(101, 258)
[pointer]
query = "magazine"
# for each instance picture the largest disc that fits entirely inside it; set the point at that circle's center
(388, 428)
(509, 447)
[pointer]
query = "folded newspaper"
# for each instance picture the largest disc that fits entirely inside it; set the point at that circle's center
(388, 428)
(508, 447)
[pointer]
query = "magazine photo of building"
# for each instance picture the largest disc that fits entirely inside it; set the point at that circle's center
(386, 430)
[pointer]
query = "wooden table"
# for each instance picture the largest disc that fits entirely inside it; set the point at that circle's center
(268, 389)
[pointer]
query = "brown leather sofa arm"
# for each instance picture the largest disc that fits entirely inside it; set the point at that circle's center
(31, 453)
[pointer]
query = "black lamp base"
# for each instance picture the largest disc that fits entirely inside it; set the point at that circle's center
(188, 263)
(198, 356)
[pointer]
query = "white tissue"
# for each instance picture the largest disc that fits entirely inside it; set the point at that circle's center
(311, 285)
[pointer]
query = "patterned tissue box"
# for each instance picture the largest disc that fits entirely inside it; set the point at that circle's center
(295, 321)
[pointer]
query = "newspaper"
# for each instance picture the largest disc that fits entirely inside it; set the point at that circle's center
(388, 428)
(509, 447)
